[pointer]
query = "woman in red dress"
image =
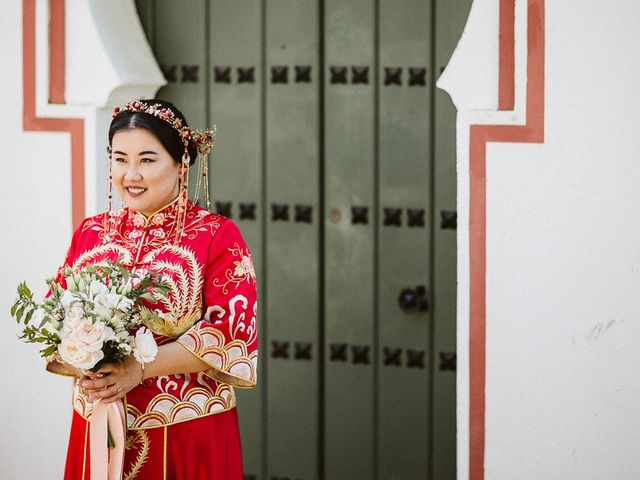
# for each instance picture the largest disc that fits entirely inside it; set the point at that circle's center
(180, 411)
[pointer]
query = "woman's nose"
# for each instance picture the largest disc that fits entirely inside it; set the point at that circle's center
(133, 173)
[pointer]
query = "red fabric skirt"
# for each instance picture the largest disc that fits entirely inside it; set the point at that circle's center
(202, 448)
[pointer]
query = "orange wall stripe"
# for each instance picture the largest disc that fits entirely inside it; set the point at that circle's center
(506, 79)
(56, 51)
(480, 135)
(31, 122)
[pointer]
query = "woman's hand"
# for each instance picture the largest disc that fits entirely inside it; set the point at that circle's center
(61, 368)
(112, 381)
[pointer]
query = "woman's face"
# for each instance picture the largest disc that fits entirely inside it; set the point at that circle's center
(144, 174)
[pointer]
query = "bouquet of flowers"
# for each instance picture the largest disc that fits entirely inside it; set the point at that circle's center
(95, 319)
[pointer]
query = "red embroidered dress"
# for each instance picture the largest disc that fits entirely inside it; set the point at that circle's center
(211, 311)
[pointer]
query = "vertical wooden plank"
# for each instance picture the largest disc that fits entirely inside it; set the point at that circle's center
(180, 50)
(292, 183)
(404, 242)
(450, 19)
(235, 62)
(349, 262)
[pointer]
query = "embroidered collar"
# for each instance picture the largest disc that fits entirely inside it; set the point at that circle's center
(160, 217)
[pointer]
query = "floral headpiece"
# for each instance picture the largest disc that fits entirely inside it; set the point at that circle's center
(203, 140)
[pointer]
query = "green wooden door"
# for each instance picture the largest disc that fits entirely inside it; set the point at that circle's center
(336, 157)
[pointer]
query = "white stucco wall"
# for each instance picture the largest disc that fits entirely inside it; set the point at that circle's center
(36, 223)
(563, 262)
(35, 194)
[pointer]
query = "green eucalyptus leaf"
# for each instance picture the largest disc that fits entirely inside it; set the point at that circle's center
(28, 316)
(50, 350)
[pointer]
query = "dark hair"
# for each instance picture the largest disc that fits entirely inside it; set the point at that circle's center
(164, 132)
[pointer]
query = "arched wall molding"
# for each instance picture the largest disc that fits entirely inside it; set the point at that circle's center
(80, 59)
(513, 113)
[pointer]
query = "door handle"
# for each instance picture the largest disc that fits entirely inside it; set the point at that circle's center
(413, 300)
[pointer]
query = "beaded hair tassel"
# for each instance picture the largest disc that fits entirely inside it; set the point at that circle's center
(106, 222)
(204, 141)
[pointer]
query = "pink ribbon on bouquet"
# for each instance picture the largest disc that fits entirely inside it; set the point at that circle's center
(107, 463)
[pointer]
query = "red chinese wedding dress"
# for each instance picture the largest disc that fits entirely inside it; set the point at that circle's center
(184, 426)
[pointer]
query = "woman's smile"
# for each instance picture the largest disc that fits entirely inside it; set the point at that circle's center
(135, 191)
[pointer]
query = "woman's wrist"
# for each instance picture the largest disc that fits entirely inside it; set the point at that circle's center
(142, 379)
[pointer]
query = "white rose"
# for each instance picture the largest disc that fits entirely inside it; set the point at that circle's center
(75, 355)
(106, 299)
(102, 312)
(91, 336)
(144, 346)
(125, 304)
(96, 287)
(114, 300)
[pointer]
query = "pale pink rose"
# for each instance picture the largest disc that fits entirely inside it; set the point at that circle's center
(157, 232)
(91, 336)
(133, 234)
(74, 354)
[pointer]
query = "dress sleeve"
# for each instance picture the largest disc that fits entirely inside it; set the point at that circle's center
(227, 338)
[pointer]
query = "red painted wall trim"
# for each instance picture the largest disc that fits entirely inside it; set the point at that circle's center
(480, 135)
(506, 86)
(30, 120)
(56, 51)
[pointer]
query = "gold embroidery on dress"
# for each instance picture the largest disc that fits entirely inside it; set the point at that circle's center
(243, 270)
(80, 403)
(100, 250)
(184, 303)
(165, 409)
(140, 441)
(127, 237)
(231, 361)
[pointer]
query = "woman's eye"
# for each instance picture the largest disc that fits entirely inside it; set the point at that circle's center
(147, 160)
(119, 159)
